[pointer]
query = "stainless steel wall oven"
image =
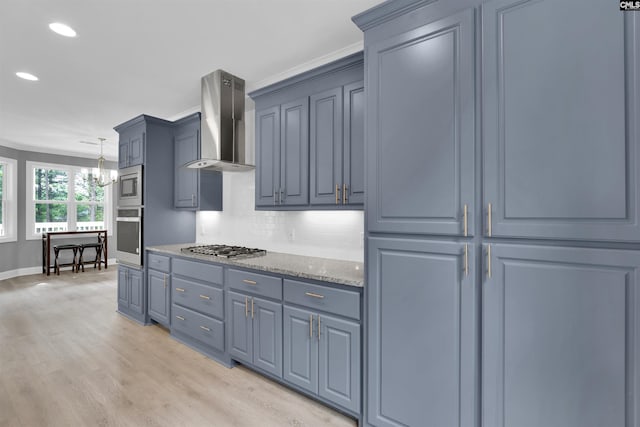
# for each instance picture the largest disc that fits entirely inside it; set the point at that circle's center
(129, 231)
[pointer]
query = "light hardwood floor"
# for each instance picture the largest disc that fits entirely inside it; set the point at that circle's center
(68, 359)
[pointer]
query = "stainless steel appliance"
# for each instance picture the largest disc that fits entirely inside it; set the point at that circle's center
(225, 251)
(130, 186)
(222, 143)
(129, 231)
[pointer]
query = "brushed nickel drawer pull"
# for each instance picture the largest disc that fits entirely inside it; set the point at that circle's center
(246, 307)
(179, 289)
(205, 328)
(205, 297)
(311, 294)
(250, 282)
(311, 326)
(179, 317)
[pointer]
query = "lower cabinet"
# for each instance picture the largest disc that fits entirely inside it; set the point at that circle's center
(131, 292)
(256, 332)
(159, 286)
(561, 337)
(322, 356)
(422, 339)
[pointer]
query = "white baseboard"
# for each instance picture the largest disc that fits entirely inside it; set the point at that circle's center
(10, 274)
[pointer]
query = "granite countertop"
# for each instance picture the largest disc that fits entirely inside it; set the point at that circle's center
(324, 269)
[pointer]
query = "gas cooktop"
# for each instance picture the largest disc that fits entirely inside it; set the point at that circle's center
(224, 251)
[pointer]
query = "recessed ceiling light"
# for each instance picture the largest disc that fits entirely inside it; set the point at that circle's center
(26, 76)
(63, 30)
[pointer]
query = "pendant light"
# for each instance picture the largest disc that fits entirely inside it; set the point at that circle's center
(104, 178)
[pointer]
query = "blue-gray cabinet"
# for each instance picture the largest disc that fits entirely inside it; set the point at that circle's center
(326, 147)
(422, 340)
(560, 137)
(560, 337)
(131, 292)
(193, 189)
(131, 145)
(310, 139)
(159, 286)
(300, 348)
(282, 152)
(421, 129)
(337, 146)
(255, 326)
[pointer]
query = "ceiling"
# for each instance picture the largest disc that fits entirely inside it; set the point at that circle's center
(147, 56)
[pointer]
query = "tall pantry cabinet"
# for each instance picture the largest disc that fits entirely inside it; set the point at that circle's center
(502, 214)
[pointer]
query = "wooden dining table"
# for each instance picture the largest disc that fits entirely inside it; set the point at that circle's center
(46, 246)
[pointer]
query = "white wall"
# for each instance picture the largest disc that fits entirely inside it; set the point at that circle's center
(326, 234)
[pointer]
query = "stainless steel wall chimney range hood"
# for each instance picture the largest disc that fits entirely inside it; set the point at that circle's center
(222, 145)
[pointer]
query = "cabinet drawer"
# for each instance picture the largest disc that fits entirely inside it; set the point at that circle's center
(259, 284)
(198, 270)
(159, 262)
(202, 298)
(205, 329)
(337, 301)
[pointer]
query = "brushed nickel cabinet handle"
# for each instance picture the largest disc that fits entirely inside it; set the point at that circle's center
(465, 220)
(205, 328)
(246, 307)
(250, 282)
(466, 259)
(205, 297)
(311, 326)
(179, 289)
(179, 317)
(344, 194)
(489, 261)
(337, 194)
(274, 197)
(311, 294)
(318, 327)
(252, 308)
(489, 219)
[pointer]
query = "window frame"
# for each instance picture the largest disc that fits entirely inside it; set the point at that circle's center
(71, 202)
(9, 200)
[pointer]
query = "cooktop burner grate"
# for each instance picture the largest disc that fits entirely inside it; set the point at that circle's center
(224, 251)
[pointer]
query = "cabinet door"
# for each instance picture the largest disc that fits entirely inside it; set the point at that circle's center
(240, 327)
(421, 129)
(267, 156)
(136, 291)
(339, 361)
(326, 147)
(185, 190)
(136, 149)
(158, 294)
(123, 152)
(353, 150)
(123, 287)
(561, 338)
(294, 146)
(267, 335)
(421, 347)
(300, 348)
(561, 142)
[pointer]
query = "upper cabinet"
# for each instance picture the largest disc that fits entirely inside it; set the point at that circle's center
(560, 139)
(421, 144)
(193, 188)
(337, 146)
(310, 139)
(131, 146)
(282, 152)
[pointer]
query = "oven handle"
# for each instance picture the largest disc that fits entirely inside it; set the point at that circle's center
(128, 219)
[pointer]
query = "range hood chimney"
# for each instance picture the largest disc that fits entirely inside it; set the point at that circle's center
(222, 145)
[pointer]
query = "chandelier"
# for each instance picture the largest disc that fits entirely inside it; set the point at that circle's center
(102, 177)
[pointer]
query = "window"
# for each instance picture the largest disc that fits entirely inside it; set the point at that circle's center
(65, 198)
(8, 204)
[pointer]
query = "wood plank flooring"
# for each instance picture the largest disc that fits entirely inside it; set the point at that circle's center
(68, 359)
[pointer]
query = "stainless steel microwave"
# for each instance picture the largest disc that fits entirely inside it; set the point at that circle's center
(130, 186)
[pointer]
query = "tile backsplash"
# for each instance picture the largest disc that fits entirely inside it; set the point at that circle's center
(327, 234)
